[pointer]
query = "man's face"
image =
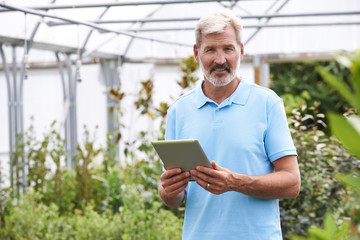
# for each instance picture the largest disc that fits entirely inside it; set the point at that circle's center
(219, 56)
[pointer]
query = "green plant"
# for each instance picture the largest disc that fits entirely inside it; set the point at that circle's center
(89, 188)
(319, 157)
(349, 134)
(188, 67)
(5, 193)
(145, 97)
(114, 135)
(141, 222)
(64, 196)
(330, 231)
(29, 218)
(302, 82)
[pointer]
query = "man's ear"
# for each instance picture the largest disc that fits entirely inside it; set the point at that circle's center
(242, 51)
(196, 52)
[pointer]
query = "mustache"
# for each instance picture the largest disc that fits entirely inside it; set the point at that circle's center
(225, 66)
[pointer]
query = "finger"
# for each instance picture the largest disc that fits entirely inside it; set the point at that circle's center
(216, 166)
(170, 173)
(175, 180)
(206, 170)
(210, 187)
(206, 176)
(201, 182)
(214, 173)
(175, 190)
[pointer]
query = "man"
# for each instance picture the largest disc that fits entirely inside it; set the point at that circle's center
(243, 128)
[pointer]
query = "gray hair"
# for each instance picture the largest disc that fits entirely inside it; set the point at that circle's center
(216, 22)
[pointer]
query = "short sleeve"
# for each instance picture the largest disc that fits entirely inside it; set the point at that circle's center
(278, 141)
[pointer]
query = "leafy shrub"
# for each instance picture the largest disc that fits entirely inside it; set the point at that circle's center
(302, 80)
(319, 157)
(31, 219)
(64, 196)
(347, 130)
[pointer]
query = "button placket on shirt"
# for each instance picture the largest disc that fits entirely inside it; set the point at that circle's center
(219, 113)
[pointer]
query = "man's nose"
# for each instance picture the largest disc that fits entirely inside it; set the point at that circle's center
(220, 58)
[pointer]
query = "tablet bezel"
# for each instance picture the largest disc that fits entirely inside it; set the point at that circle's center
(185, 154)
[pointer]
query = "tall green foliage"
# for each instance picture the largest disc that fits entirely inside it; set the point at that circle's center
(299, 82)
(347, 130)
(319, 157)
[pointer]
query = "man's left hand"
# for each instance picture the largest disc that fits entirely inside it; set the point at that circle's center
(215, 180)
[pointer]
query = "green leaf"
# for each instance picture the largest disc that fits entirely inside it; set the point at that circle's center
(317, 234)
(350, 180)
(355, 70)
(343, 231)
(330, 231)
(339, 85)
(345, 132)
(330, 224)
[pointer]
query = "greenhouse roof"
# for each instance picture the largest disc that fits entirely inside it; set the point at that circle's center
(60, 35)
(143, 30)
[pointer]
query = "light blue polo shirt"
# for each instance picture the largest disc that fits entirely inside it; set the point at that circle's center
(245, 133)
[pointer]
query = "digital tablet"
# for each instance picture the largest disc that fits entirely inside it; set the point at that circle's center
(185, 154)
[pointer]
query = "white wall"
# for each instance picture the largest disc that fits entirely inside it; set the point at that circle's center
(4, 126)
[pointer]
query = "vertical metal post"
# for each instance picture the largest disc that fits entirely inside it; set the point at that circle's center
(17, 171)
(264, 74)
(73, 115)
(10, 114)
(68, 119)
(65, 100)
(15, 161)
(14, 72)
(71, 119)
(111, 78)
(256, 64)
(20, 119)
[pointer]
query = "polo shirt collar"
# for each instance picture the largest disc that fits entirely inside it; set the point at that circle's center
(240, 96)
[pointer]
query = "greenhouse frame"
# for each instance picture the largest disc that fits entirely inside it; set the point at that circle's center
(59, 57)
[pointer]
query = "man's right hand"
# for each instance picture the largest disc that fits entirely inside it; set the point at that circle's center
(172, 186)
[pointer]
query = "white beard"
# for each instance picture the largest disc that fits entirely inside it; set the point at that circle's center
(217, 82)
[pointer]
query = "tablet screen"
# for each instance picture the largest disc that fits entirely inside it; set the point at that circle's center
(185, 154)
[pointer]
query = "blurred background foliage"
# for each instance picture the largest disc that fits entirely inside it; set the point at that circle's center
(346, 129)
(298, 83)
(105, 198)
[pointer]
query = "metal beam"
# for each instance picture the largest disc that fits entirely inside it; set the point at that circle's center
(91, 31)
(53, 47)
(193, 19)
(248, 26)
(267, 19)
(117, 4)
(91, 25)
(141, 25)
